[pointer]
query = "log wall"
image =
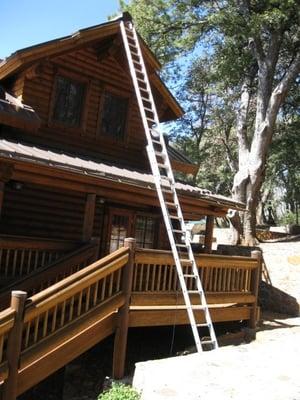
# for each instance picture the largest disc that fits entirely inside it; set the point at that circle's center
(47, 213)
(106, 74)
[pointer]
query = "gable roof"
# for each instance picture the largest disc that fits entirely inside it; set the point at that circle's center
(25, 57)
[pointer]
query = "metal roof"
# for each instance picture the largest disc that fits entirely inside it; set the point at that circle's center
(39, 155)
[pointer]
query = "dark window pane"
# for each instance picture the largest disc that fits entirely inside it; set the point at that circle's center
(114, 116)
(68, 101)
(145, 232)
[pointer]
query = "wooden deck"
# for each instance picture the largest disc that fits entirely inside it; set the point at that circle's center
(128, 288)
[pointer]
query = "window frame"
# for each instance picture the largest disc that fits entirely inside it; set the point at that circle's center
(156, 219)
(72, 76)
(118, 93)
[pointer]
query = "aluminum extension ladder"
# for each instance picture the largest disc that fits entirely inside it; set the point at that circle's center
(165, 185)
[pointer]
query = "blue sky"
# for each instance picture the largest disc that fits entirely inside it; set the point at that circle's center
(28, 22)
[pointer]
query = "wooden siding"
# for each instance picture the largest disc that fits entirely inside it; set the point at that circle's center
(47, 213)
(106, 74)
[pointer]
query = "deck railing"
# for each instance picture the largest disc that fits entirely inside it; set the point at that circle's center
(155, 271)
(51, 315)
(50, 274)
(64, 320)
(20, 256)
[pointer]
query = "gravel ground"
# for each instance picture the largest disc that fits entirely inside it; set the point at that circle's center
(266, 368)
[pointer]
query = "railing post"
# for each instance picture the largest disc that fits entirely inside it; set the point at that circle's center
(120, 344)
(255, 278)
(209, 234)
(14, 343)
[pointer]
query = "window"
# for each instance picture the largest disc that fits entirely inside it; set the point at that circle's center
(119, 231)
(145, 231)
(68, 101)
(114, 116)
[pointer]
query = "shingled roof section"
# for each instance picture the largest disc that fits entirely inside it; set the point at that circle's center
(25, 152)
(16, 114)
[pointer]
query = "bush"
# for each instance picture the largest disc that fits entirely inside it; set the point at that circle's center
(119, 391)
(288, 218)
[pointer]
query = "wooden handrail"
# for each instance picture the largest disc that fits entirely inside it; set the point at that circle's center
(165, 257)
(6, 320)
(35, 243)
(68, 287)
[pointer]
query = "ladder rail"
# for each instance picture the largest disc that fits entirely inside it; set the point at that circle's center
(154, 136)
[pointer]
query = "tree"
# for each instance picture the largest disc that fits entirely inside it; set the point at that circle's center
(256, 47)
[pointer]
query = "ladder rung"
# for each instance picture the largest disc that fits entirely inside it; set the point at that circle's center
(202, 325)
(197, 307)
(190, 275)
(180, 245)
(141, 80)
(157, 153)
(134, 54)
(164, 166)
(169, 204)
(145, 99)
(208, 342)
(194, 292)
(151, 120)
(174, 217)
(169, 191)
(132, 45)
(156, 142)
(145, 90)
(186, 261)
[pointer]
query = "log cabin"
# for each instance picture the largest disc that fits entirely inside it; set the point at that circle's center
(75, 184)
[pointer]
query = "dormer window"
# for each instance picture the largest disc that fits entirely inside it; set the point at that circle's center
(68, 101)
(114, 116)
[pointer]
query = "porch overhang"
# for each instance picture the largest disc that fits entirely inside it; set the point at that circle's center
(58, 170)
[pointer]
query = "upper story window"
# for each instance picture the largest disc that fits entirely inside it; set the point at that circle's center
(114, 116)
(68, 101)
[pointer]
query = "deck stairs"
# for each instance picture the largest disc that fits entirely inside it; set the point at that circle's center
(166, 190)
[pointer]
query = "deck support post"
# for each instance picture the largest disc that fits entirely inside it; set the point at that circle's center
(89, 215)
(10, 387)
(209, 234)
(121, 333)
(254, 285)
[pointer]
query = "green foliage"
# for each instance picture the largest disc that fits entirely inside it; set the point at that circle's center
(120, 391)
(211, 49)
(288, 218)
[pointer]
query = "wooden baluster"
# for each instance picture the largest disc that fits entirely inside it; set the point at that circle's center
(119, 272)
(1, 347)
(120, 343)
(95, 297)
(7, 262)
(255, 278)
(103, 289)
(45, 323)
(10, 386)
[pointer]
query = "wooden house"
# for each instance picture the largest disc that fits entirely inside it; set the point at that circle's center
(74, 183)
